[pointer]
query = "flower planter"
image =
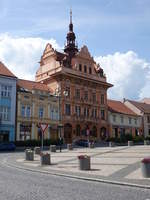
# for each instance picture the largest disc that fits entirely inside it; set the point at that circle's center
(84, 162)
(53, 148)
(130, 143)
(29, 155)
(69, 147)
(45, 159)
(37, 150)
(145, 167)
(146, 142)
(91, 145)
(111, 144)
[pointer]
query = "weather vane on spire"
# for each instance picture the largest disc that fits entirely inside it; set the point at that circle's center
(70, 15)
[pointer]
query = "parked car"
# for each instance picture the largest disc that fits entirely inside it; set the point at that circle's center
(7, 146)
(82, 142)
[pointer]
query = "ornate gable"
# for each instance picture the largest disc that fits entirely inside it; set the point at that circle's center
(84, 52)
(48, 51)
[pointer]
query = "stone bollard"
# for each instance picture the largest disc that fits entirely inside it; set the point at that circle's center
(53, 148)
(84, 162)
(145, 167)
(111, 144)
(130, 143)
(69, 147)
(37, 150)
(45, 159)
(146, 142)
(29, 155)
(91, 145)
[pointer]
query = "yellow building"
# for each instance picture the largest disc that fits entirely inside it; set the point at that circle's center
(35, 105)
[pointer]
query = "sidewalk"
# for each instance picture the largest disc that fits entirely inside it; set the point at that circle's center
(108, 164)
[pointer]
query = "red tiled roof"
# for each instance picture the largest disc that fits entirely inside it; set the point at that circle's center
(119, 107)
(146, 100)
(5, 71)
(31, 85)
(141, 106)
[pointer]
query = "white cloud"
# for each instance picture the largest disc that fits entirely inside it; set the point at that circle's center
(22, 55)
(129, 74)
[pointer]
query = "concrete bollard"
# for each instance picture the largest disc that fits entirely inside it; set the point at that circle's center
(53, 148)
(37, 150)
(146, 142)
(84, 162)
(111, 144)
(130, 143)
(145, 167)
(91, 145)
(69, 147)
(45, 159)
(29, 155)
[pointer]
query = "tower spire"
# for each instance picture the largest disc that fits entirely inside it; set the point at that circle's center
(71, 48)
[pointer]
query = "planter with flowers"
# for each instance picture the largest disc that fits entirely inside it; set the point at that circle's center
(45, 158)
(145, 167)
(84, 162)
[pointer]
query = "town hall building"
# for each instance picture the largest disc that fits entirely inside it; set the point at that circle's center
(82, 88)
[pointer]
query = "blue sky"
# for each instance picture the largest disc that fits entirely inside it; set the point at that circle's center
(105, 26)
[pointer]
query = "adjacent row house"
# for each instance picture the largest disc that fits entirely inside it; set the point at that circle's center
(7, 104)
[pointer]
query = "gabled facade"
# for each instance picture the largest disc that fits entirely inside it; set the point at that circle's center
(123, 120)
(142, 109)
(35, 105)
(83, 89)
(7, 104)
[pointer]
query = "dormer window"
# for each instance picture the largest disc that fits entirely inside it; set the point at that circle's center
(90, 70)
(80, 67)
(85, 68)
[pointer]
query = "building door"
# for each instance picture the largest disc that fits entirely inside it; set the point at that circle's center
(4, 136)
(103, 133)
(68, 133)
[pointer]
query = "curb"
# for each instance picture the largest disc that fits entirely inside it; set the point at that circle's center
(79, 177)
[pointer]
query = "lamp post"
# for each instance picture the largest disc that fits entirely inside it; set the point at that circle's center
(58, 93)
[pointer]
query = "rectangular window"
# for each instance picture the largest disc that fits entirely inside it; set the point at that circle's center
(77, 93)
(85, 68)
(135, 121)
(114, 118)
(6, 91)
(122, 119)
(102, 99)
(86, 95)
(5, 113)
(130, 120)
(94, 97)
(80, 67)
(78, 110)
(67, 109)
(90, 70)
(103, 114)
(41, 112)
(148, 119)
(23, 111)
(28, 112)
(86, 112)
(67, 92)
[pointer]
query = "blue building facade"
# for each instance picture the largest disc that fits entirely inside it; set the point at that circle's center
(7, 104)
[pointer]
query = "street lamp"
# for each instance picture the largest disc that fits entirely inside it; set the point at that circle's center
(58, 94)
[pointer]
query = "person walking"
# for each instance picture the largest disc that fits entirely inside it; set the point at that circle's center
(60, 143)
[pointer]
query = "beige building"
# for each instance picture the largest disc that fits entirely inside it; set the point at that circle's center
(123, 120)
(142, 109)
(36, 105)
(82, 85)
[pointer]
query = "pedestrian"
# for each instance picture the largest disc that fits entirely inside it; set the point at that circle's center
(60, 143)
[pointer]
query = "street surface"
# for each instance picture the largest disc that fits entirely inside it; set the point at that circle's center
(18, 184)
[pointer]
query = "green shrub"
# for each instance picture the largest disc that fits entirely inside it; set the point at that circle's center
(137, 139)
(33, 143)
